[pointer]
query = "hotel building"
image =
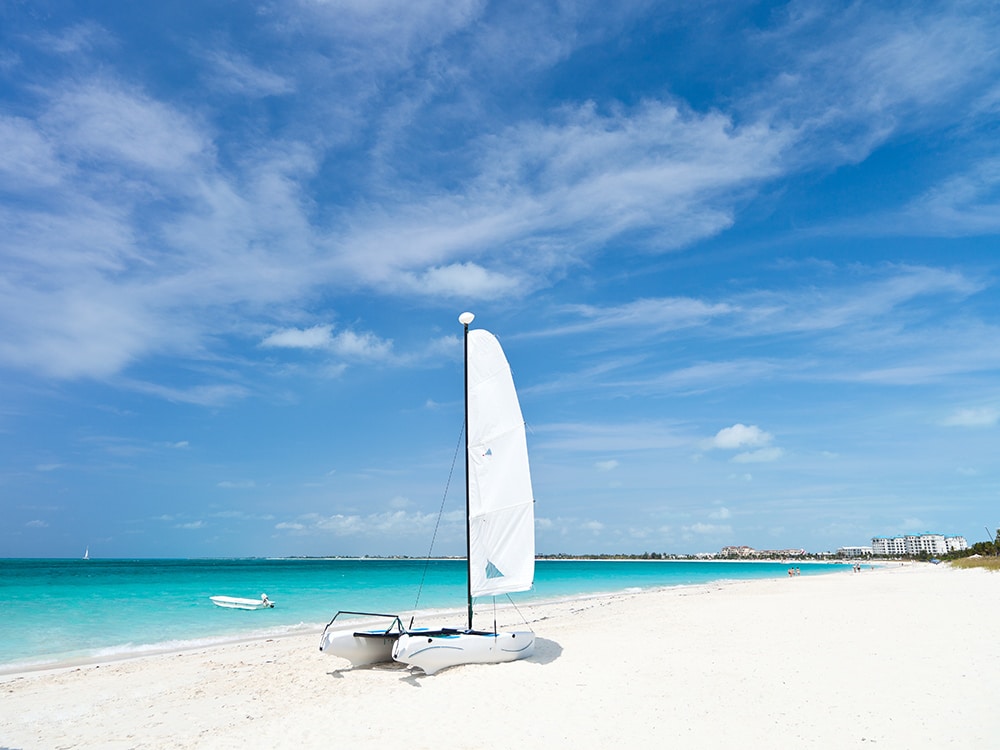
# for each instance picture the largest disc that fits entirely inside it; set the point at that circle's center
(915, 544)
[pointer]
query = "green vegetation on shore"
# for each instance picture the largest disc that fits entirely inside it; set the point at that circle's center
(979, 555)
(990, 563)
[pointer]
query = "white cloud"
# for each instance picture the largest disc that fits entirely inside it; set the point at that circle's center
(27, 157)
(608, 465)
(243, 515)
(648, 314)
(317, 337)
(761, 455)
(348, 344)
(236, 74)
(741, 436)
(396, 522)
(74, 39)
(709, 529)
(361, 346)
(201, 395)
(37, 524)
(105, 121)
(985, 416)
(604, 438)
(721, 514)
(468, 280)
(965, 204)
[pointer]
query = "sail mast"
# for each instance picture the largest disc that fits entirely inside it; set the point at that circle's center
(466, 318)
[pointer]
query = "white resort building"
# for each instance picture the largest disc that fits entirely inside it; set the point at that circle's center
(915, 544)
(854, 552)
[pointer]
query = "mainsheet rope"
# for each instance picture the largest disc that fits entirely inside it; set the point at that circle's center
(437, 523)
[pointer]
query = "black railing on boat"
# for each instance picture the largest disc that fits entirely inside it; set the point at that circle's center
(396, 628)
(374, 633)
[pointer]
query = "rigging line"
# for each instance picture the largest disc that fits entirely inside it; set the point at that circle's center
(523, 618)
(437, 523)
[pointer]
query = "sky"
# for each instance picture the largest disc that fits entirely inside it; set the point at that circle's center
(743, 257)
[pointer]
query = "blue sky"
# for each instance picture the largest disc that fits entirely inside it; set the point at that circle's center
(743, 258)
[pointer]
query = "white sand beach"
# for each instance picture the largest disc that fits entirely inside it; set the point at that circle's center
(898, 657)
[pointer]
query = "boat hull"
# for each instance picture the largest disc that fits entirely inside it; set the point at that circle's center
(359, 648)
(434, 652)
(234, 602)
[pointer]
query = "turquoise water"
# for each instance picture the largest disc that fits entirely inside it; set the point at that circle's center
(59, 610)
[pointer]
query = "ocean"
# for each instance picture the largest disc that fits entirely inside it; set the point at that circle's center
(59, 611)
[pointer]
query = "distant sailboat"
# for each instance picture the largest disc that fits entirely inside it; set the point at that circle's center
(86, 554)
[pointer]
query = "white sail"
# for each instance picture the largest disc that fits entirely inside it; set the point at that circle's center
(501, 504)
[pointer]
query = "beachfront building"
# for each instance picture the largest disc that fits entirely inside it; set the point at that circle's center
(770, 554)
(854, 552)
(916, 544)
(955, 543)
(888, 546)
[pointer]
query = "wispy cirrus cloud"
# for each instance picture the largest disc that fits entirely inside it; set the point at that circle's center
(522, 200)
(235, 73)
(394, 522)
(347, 343)
(982, 416)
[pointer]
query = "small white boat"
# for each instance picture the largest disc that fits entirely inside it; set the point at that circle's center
(235, 602)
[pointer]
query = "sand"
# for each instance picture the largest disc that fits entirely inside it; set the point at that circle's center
(900, 657)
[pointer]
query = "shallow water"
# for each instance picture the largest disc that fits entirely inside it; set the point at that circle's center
(60, 610)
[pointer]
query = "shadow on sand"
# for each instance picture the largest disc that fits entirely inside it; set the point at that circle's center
(379, 667)
(546, 651)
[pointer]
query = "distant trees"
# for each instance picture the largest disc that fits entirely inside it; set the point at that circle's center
(983, 549)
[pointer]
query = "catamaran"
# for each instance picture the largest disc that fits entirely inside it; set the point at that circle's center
(500, 529)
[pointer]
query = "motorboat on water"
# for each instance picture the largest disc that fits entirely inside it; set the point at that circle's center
(235, 602)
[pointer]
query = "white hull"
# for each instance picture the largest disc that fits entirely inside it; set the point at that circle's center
(373, 647)
(432, 653)
(234, 602)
